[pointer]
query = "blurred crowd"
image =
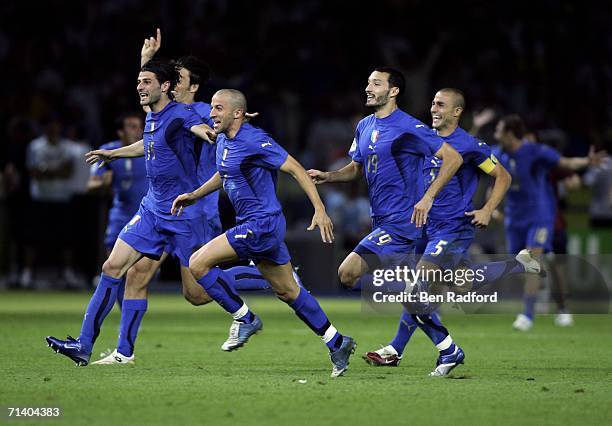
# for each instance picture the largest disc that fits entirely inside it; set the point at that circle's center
(71, 68)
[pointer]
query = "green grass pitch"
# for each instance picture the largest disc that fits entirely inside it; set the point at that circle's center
(547, 376)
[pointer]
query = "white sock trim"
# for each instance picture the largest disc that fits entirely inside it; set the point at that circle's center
(329, 334)
(241, 312)
(445, 344)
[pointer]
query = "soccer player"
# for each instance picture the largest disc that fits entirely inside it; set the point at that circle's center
(126, 177)
(171, 161)
(451, 228)
(193, 73)
(390, 147)
(531, 206)
(248, 160)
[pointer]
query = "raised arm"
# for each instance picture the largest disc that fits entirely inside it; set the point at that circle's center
(107, 155)
(184, 200)
(350, 172)
(482, 217)
(150, 47)
(451, 161)
(320, 217)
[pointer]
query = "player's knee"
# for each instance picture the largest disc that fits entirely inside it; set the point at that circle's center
(111, 268)
(197, 266)
(348, 277)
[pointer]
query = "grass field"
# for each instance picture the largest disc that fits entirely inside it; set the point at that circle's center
(547, 376)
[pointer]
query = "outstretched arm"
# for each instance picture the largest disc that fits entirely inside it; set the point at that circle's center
(320, 217)
(204, 131)
(107, 155)
(503, 180)
(150, 47)
(451, 161)
(351, 171)
(185, 200)
(578, 163)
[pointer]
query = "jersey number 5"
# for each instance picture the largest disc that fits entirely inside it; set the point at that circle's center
(439, 247)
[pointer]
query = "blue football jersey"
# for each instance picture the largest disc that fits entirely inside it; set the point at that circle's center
(207, 166)
(248, 165)
(530, 198)
(392, 150)
(171, 159)
(455, 198)
(129, 181)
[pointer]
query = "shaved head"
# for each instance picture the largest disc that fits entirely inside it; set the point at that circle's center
(457, 96)
(236, 98)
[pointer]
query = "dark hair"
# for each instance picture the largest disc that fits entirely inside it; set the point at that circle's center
(199, 72)
(396, 78)
(164, 71)
(120, 121)
(513, 123)
(459, 96)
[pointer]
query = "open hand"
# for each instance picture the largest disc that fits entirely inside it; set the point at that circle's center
(326, 227)
(101, 156)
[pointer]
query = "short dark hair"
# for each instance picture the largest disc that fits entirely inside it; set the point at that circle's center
(199, 71)
(513, 123)
(396, 78)
(120, 121)
(164, 71)
(459, 96)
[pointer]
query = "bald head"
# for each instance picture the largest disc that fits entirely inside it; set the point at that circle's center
(235, 98)
(228, 109)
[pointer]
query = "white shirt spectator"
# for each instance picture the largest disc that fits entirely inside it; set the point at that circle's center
(43, 156)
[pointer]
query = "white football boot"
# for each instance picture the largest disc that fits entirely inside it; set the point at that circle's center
(115, 358)
(522, 323)
(564, 320)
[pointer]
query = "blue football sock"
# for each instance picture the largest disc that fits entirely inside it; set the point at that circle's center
(121, 292)
(405, 329)
(433, 328)
(99, 306)
(220, 288)
(308, 310)
(494, 271)
(131, 316)
(247, 278)
(529, 302)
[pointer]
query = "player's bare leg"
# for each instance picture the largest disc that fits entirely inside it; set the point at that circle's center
(281, 279)
(351, 269)
(193, 292)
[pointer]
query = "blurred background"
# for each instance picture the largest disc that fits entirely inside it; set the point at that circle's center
(69, 69)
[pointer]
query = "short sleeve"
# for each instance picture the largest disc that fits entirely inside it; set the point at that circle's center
(482, 156)
(421, 140)
(354, 151)
(191, 118)
(547, 156)
(270, 154)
